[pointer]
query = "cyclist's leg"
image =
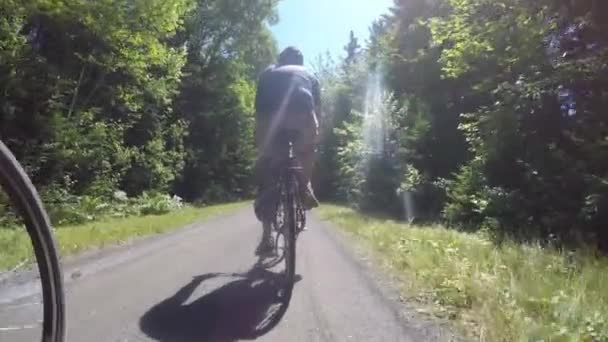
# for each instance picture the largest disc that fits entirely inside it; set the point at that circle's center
(303, 119)
(263, 174)
(264, 208)
(263, 163)
(305, 154)
(266, 245)
(260, 181)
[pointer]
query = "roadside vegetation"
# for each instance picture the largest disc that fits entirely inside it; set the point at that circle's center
(134, 97)
(15, 248)
(481, 123)
(481, 114)
(511, 292)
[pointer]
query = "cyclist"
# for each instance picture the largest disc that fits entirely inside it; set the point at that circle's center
(287, 98)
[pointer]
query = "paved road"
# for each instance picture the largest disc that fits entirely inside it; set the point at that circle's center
(198, 285)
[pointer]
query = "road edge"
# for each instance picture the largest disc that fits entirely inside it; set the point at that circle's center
(386, 286)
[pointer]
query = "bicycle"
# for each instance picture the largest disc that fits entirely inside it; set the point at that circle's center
(24, 198)
(289, 217)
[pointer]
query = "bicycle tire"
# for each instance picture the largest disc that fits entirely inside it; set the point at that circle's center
(25, 200)
(290, 233)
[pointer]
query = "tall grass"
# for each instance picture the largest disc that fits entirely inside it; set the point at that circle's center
(15, 247)
(508, 293)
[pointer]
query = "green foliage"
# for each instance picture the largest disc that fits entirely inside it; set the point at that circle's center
(343, 93)
(157, 204)
(88, 92)
(500, 123)
(431, 146)
(143, 96)
(228, 43)
(64, 208)
(467, 194)
(535, 169)
(371, 174)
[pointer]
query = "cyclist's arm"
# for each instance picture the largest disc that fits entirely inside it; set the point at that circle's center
(316, 94)
(261, 94)
(261, 102)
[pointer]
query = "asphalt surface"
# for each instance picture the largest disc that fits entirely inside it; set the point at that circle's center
(200, 284)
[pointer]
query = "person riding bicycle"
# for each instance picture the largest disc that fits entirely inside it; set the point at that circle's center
(288, 98)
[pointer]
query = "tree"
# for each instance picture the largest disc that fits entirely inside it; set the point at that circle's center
(351, 49)
(228, 44)
(343, 90)
(538, 156)
(133, 95)
(87, 91)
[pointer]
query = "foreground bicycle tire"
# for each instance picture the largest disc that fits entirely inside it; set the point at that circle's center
(24, 198)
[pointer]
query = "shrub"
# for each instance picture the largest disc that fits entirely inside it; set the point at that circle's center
(157, 204)
(64, 208)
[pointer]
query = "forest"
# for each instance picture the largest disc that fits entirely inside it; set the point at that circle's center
(479, 114)
(107, 101)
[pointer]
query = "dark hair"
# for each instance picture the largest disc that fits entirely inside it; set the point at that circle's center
(291, 56)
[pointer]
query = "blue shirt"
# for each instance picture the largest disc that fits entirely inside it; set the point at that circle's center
(289, 85)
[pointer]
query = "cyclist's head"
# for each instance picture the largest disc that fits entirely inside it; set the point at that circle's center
(291, 56)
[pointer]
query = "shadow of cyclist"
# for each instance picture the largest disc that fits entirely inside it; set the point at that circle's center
(244, 309)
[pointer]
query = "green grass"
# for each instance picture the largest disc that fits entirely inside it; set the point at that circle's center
(507, 293)
(15, 247)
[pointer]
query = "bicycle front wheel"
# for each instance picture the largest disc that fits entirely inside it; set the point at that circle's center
(24, 198)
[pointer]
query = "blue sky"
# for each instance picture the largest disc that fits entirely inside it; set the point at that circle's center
(317, 26)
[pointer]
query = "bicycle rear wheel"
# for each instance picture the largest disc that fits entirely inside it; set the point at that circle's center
(24, 198)
(290, 206)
